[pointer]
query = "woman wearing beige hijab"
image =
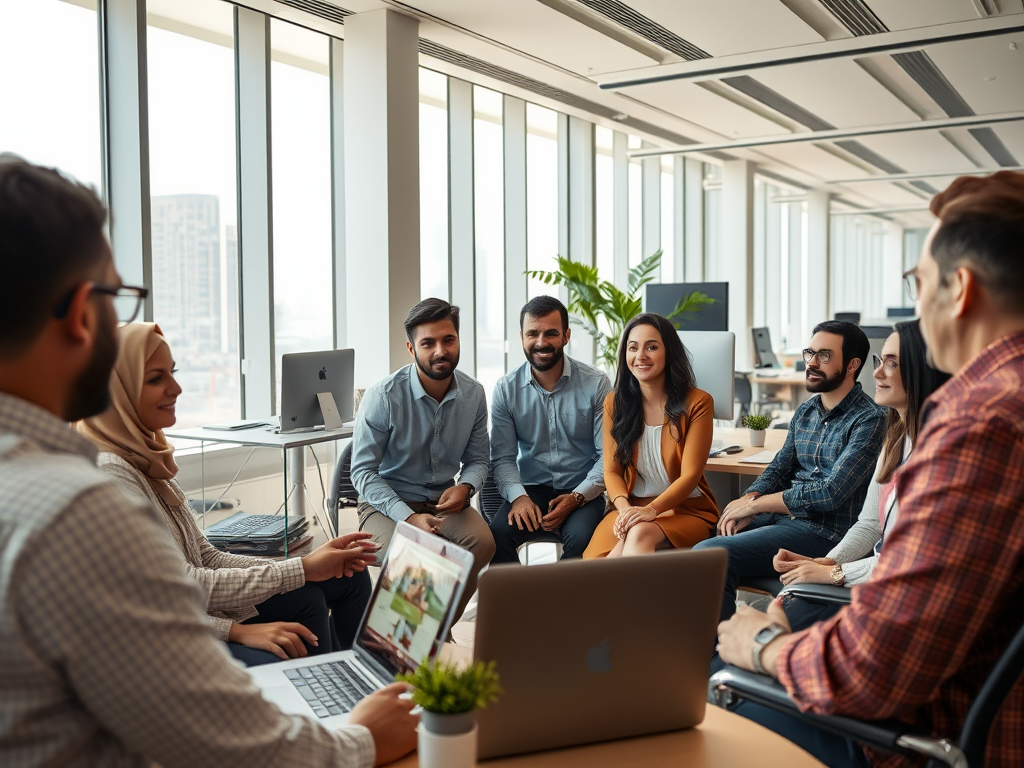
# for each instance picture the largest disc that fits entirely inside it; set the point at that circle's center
(265, 610)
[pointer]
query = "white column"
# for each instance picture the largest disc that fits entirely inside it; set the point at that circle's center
(693, 229)
(340, 298)
(736, 265)
(126, 140)
(255, 212)
(382, 186)
(514, 124)
(816, 280)
(679, 202)
(461, 214)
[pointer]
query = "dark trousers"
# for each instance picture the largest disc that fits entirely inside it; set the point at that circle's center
(575, 531)
(803, 613)
(345, 598)
(751, 551)
(834, 751)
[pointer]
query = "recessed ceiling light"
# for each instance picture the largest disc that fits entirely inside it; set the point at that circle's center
(620, 117)
(989, 79)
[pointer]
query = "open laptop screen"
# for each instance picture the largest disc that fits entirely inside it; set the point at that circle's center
(421, 581)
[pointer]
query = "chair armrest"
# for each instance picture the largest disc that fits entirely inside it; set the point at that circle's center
(820, 593)
(768, 692)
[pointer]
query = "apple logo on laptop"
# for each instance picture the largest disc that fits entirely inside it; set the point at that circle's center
(323, 374)
(599, 658)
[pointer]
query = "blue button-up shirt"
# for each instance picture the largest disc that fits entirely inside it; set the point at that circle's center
(827, 462)
(548, 438)
(406, 445)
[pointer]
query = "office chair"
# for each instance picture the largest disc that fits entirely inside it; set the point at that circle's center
(848, 317)
(742, 394)
(342, 492)
(490, 503)
(966, 750)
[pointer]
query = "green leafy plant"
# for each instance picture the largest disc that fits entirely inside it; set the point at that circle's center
(448, 689)
(757, 421)
(603, 309)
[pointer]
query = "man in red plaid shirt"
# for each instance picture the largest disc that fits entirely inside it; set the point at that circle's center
(918, 641)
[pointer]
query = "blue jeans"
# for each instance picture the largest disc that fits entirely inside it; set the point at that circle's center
(345, 598)
(575, 531)
(833, 750)
(751, 551)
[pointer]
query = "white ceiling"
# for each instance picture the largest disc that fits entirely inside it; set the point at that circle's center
(546, 40)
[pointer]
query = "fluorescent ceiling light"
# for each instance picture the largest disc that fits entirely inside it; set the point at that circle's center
(928, 175)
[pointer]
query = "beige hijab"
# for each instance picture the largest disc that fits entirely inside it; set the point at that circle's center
(119, 430)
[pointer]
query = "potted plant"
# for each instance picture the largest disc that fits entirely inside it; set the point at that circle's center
(757, 423)
(448, 694)
(603, 309)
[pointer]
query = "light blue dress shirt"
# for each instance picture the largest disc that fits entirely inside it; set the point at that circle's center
(549, 438)
(408, 446)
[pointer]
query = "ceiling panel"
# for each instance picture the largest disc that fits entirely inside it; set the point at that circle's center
(698, 105)
(811, 159)
(540, 31)
(1012, 135)
(839, 92)
(969, 65)
(724, 27)
(917, 152)
(908, 14)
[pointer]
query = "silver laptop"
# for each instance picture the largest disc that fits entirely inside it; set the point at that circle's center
(406, 622)
(594, 650)
(304, 376)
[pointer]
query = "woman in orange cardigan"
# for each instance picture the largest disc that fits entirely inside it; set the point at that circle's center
(657, 435)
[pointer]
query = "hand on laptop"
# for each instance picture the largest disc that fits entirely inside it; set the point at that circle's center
(340, 557)
(425, 522)
(390, 720)
(525, 514)
(281, 638)
(559, 508)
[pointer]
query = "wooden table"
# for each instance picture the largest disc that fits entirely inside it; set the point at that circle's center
(723, 740)
(773, 440)
(793, 381)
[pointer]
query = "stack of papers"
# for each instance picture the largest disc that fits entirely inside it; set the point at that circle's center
(764, 457)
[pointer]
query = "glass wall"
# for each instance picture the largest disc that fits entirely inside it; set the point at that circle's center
(433, 185)
(300, 114)
(636, 207)
(857, 271)
(489, 201)
(668, 268)
(604, 203)
(541, 195)
(194, 213)
(49, 86)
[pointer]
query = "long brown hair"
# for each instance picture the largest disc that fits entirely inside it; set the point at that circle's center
(919, 381)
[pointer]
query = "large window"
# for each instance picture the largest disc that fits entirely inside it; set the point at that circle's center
(604, 203)
(489, 197)
(712, 217)
(857, 270)
(49, 85)
(301, 151)
(668, 220)
(541, 195)
(433, 185)
(636, 207)
(192, 177)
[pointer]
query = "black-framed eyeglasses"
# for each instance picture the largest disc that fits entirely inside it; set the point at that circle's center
(127, 300)
(890, 362)
(823, 355)
(910, 283)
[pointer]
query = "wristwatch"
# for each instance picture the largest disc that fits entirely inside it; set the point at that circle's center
(761, 640)
(580, 499)
(837, 575)
(472, 489)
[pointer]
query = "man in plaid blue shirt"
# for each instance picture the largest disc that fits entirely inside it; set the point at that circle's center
(814, 489)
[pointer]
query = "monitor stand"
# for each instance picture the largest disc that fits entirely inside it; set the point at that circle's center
(329, 409)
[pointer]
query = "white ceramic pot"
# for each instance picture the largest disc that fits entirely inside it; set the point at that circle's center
(447, 750)
(756, 438)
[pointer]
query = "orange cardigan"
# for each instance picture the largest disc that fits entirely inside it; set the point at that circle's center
(684, 459)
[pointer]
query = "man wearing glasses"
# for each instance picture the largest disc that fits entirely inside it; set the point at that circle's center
(813, 490)
(918, 641)
(108, 657)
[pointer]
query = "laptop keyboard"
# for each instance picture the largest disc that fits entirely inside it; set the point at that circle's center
(330, 689)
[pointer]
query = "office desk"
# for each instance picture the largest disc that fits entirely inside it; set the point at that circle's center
(292, 447)
(793, 381)
(724, 474)
(723, 740)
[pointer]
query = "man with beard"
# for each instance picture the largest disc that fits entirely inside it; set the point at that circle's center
(546, 441)
(414, 432)
(108, 657)
(813, 490)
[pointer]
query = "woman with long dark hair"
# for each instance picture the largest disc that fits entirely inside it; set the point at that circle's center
(657, 435)
(903, 381)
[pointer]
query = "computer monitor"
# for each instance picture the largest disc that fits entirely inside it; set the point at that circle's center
(304, 376)
(848, 317)
(713, 358)
(899, 312)
(764, 355)
(662, 298)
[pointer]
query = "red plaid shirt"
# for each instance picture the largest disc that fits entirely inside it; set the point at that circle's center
(918, 640)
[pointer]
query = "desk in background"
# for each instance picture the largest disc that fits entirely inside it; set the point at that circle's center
(724, 474)
(788, 380)
(292, 447)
